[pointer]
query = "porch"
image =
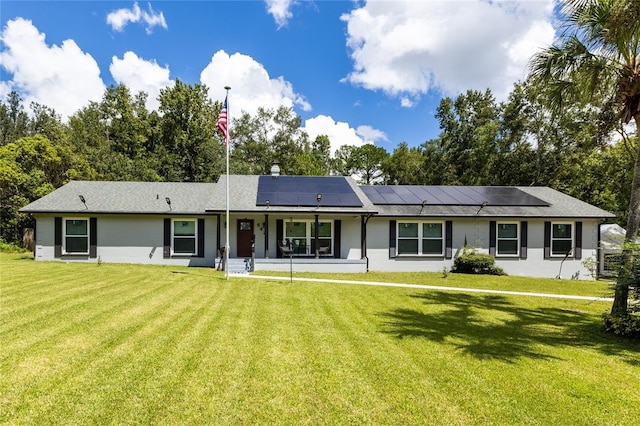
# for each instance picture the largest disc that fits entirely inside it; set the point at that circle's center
(239, 265)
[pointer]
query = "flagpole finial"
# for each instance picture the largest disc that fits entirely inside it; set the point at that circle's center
(227, 87)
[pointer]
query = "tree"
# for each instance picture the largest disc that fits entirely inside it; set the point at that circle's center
(30, 168)
(14, 121)
(366, 163)
(189, 148)
(598, 53)
(267, 137)
(404, 166)
(470, 126)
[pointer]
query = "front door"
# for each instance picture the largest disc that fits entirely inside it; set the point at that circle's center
(245, 237)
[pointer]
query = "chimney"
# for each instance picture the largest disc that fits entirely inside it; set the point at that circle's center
(275, 170)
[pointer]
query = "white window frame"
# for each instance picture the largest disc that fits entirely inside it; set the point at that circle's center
(517, 239)
(64, 235)
(571, 239)
(308, 239)
(421, 237)
(194, 237)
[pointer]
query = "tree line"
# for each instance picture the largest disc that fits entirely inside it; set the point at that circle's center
(482, 142)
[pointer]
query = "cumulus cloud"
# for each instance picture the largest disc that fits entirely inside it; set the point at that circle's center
(61, 77)
(407, 48)
(340, 133)
(280, 10)
(371, 135)
(251, 85)
(120, 18)
(141, 75)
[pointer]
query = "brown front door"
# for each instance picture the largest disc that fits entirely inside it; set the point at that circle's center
(245, 237)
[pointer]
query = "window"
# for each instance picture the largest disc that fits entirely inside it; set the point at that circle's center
(184, 236)
(76, 236)
(508, 240)
(302, 236)
(561, 238)
(420, 238)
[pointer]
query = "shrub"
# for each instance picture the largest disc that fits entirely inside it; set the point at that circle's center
(626, 325)
(11, 247)
(476, 263)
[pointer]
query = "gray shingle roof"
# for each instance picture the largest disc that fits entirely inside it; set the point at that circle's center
(198, 198)
(125, 197)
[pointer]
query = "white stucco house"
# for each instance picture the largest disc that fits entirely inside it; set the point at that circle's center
(317, 224)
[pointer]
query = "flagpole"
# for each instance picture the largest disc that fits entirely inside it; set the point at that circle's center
(227, 143)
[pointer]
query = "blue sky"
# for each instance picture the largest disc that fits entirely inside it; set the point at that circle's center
(358, 71)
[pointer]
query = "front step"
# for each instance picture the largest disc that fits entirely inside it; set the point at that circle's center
(239, 266)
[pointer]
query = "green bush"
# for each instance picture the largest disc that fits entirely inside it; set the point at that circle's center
(627, 325)
(11, 247)
(476, 263)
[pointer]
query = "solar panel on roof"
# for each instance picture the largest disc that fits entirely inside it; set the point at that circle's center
(450, 195)
(302, 191)
(373, 194)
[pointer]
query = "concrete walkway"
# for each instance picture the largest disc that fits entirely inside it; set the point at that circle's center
(438, 288)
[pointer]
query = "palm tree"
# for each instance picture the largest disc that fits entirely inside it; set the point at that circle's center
(598, 56)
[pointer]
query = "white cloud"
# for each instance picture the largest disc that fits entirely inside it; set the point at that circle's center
(251, 86)
(61, 77)
(5, 89)
(370, 134)
(412, 47)
(120, 18)
(141, 75)
(339, 133)
(280, 10)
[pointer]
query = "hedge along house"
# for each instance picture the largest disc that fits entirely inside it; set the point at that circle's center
(318, 224)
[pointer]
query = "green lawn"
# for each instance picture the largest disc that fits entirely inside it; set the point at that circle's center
(127, 344)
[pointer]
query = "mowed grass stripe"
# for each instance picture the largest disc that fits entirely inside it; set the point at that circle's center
(109, 350)
(145, 370)
(78, 313)
(185, 346)
(394, 378)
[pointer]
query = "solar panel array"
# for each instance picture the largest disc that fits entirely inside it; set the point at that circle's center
(302, 191)
(450, 195)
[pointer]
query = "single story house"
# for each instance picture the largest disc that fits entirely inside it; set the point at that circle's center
(317, 223)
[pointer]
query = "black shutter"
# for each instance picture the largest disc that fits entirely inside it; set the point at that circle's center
(279, 235)
(524, 239)
(547, 240)
(492, 238)
(200, 237)
(577, 253)
(166, 253)
(93, 238)
(392, 238)
(337, 229)
(448, 240)
(57, 237)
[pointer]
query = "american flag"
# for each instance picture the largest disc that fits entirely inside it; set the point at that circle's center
(222, 123)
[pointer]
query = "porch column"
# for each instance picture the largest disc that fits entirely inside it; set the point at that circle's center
(315, 238)
(266, 236)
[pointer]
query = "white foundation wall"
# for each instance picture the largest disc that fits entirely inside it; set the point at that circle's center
(476, 232)
(126, 239)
